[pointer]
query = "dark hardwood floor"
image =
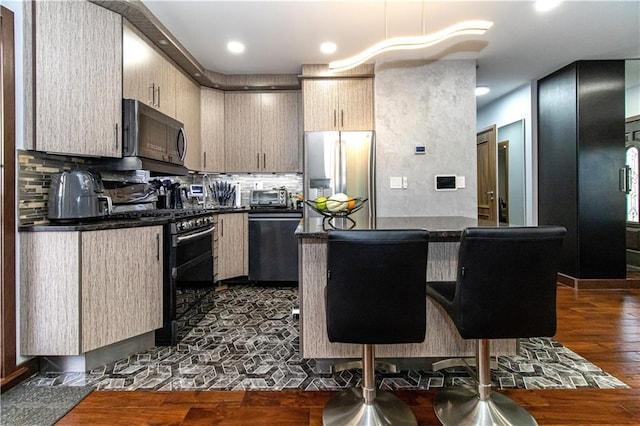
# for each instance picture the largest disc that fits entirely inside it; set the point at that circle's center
(601, 325)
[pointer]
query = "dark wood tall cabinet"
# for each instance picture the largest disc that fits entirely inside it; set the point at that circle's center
(581, 121)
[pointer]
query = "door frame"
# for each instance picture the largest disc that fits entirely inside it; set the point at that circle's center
(7, 188)
(493, 158)
(10, 373)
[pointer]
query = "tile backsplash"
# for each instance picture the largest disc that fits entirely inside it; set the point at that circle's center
(34, 176)
(35, 170)
(291, 181)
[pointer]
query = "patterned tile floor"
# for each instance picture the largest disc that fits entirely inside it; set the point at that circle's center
(246, 338)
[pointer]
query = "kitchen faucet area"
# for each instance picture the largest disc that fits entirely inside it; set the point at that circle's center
(183, 184)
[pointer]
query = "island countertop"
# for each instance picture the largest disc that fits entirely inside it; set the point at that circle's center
(441, 228)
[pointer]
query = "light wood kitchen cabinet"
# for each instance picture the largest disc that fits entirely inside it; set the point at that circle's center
(188, 112)
(261, 132)
(147, 75)
(212, 130)
(78, 79)
(280, 135)
(243, 150)
(83, 290)
(338, 104)
(230, 248)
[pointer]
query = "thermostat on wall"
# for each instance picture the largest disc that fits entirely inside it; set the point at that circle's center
(420, 149)
(446, 182)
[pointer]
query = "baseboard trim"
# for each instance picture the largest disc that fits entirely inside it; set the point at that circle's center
(26, 369)
(599, 284)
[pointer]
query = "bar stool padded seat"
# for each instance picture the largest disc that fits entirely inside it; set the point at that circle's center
(375, 294)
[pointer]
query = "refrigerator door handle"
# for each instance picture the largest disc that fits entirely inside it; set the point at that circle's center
(343, 167)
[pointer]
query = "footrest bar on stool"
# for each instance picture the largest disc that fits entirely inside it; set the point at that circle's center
(459, 362)
(357, 364)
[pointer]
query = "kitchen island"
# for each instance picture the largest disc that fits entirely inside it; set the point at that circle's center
(442, 339)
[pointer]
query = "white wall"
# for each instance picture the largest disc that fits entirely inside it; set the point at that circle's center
(518, 105)
(431, 104)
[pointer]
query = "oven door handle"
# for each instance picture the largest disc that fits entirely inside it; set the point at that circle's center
(196, 235)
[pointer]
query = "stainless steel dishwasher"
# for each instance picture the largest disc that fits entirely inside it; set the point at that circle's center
(273, 249)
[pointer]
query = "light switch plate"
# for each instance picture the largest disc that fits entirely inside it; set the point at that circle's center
(405, 182)
(461, 182)
(395, 182)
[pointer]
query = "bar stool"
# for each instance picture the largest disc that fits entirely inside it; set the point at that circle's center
(375, 294)
(505, 288)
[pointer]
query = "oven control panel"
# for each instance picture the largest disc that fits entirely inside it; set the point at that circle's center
(188, 224)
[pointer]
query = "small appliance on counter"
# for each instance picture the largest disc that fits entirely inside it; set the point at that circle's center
(76, 195)
(128, 197)
(277, 197)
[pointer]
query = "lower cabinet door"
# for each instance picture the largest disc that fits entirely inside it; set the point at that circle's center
(121, 284)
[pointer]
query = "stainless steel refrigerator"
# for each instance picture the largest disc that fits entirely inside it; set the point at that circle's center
(341, 162)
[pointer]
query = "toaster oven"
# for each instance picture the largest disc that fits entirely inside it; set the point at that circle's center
(269, 198)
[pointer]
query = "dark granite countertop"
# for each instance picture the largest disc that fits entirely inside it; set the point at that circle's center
(441, 228)
(254, 210)
(274, 210)
(106, 223)
(95, 225)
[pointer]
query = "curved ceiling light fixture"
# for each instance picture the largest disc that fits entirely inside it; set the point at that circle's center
(414, 42)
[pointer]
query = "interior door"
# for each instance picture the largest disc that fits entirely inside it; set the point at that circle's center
(486, 154)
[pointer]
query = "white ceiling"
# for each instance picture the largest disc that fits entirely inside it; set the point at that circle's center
(523, 44)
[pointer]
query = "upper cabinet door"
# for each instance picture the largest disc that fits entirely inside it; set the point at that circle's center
(188, 112)
(212, 129)
(280, 133)
(338, 104)
(320, 105)
(242, 132)
(148, 76)
(78, 79)
(355, 104)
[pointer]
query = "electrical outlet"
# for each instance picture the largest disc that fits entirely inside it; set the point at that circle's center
(405, 182)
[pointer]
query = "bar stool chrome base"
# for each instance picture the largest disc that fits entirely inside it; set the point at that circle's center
(347, 408)
(463, 407)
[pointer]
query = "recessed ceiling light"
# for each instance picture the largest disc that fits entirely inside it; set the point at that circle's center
(545, 5)
(163, 42)
(235, 47)
(197, 74)
(482, 90)
(328, 47)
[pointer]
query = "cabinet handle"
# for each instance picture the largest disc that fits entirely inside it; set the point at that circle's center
(152, 98)
(116, 135)
(335, 122)
(624, 179)
(205, 160)
(221, 227)
(158, 105)
(341, 118)
(157, 246)
(264, 160)
(258, 161)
